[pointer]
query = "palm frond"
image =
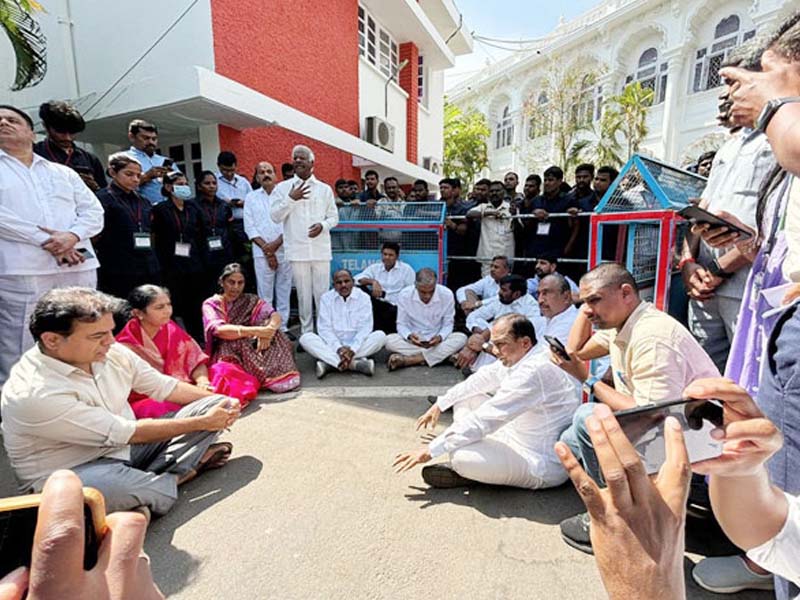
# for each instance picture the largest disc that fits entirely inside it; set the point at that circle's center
(27, 39)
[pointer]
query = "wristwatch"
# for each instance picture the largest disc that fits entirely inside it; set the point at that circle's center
(588, 385)
(769, 110)
(717, 271)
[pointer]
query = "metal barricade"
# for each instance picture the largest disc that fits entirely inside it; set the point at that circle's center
(417, 226)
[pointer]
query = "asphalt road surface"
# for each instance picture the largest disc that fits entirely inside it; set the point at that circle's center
(309, 507)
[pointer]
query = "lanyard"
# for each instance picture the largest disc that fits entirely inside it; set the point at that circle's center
(212, 216)
(777, 217)
(135, 216)
(178, 222)
(53, 156)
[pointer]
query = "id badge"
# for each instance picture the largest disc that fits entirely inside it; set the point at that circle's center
(214, 243)
(182, 249)
(543, 229)
(141, 241)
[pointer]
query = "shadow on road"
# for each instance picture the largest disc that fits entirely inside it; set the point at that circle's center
(173, 568)
(549, 507)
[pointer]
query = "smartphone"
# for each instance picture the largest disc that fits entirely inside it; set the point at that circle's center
(644, 427)
(557, 347)
(18, 524)
(168, 162)
(698, 215)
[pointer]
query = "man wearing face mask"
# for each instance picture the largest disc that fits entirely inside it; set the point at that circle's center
(273, 270)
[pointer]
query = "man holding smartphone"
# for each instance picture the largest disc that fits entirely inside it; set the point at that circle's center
(143, 136)
(653, 358)
(715, 279)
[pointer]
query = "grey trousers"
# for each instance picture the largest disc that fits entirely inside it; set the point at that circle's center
(713, 322)
(150, 477)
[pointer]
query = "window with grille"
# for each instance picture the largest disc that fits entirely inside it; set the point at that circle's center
(376, 44)
(589, 107)
(504, 130)
(708, 60)
(422, 88)
(651, 75)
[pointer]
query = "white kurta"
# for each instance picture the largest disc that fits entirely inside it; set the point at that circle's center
(393, 282)
(483, 316)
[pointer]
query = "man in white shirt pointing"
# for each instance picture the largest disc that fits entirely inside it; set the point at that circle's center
(345, 340)
(306, 207)
(506, 418)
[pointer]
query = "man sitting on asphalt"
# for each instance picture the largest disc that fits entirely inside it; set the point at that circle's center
(511, 298)
(545, 265)
(473, 296)
(344, 340)
(65, 406)
(384, 281)
(653, 358)
(425, 314)
(506, 418)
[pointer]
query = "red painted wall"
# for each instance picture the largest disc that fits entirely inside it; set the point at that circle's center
(303, 53)
(409, 81)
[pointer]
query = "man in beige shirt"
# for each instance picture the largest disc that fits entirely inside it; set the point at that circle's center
(653, 359)
(65, 406)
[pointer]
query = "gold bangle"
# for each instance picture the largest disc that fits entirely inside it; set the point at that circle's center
(239, 330)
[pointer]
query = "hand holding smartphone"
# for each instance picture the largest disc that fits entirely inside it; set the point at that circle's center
(700, 216)
(557, 347)
(644, 427)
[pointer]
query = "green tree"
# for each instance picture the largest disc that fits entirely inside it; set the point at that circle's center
(629, 115)
(465, 147)
(27, 39)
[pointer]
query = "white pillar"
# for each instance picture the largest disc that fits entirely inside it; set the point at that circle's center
(209, 146)
(673, 109)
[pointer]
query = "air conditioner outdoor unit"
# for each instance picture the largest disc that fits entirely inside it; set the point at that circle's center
(380, 133)
(432, 164)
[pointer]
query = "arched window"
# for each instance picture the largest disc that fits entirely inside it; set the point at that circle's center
(650, 74)
(591, 100)
(504, 130)
(728, 35)
(540, 122)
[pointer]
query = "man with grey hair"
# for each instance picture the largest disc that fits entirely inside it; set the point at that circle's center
(47, 219)
(425, 314)
(307, 209)
(65, 406)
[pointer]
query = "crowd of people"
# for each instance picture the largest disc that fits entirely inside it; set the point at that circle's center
(133, 339)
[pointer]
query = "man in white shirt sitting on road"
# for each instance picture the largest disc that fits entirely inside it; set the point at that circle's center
(506, 418)
(425, 314)
(547, 264)
(65, 406)
(511, 298)
(384, 281)
(473, 296)
(273, 270)
(344, 340)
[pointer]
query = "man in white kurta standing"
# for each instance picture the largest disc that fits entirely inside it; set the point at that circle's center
(307, 209)
(273, 271)
(47, 215)
(345, 340)
(497, 235)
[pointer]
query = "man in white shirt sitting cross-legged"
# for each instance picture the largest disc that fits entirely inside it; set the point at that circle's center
(65, 406)
(474, 295)
(425, 314)
(511, 298)
(384, 281)
(345, 340)
(506, 418)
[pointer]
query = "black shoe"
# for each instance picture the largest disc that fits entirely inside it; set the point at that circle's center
(575, 532)
(292, 337)
(443, 476)
(432, 400)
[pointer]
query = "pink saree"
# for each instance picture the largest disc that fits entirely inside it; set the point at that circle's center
(171, 351)
(274, 368)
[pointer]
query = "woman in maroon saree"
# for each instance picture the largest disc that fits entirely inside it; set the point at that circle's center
(242, 330)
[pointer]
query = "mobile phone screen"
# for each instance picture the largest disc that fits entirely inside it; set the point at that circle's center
(702, 216)
(557, 347)
(16, 538)
(644, 427)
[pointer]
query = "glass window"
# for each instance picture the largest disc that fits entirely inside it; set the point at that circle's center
(651, 75)
(709, 59)
(504, 135)
(376, 44)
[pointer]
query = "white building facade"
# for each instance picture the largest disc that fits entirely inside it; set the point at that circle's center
(673, 47)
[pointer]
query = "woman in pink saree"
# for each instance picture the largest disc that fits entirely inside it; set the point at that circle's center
(243, 331)
(155, 337)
